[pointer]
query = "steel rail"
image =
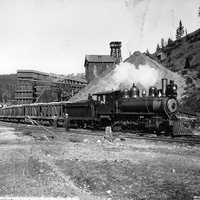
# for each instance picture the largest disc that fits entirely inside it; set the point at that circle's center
(193, 140)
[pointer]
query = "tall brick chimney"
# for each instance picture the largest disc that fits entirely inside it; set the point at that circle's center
(115, 50)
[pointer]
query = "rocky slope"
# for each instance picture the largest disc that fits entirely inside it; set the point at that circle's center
(7, 87)
(183, 56)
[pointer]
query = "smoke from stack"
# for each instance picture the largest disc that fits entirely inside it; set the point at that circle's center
(138, 69)
(144, 75)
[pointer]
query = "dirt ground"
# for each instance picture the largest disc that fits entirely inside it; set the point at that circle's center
(77, 166)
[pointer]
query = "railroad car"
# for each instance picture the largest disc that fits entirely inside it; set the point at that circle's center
(130, 109)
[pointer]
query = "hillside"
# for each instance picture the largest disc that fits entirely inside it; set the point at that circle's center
(183, 56)
(7, 87)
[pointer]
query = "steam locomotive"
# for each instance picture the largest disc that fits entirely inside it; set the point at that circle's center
(130, 109)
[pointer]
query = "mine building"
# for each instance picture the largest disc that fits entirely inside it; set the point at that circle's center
(28, 85)
(96, 64)
(68, 87)
(34, 86)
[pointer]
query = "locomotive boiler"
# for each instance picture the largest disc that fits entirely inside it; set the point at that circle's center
(160, 101)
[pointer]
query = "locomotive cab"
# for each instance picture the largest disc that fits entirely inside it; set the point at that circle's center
(106, 101)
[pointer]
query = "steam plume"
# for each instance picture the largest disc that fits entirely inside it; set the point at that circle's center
(143, 75)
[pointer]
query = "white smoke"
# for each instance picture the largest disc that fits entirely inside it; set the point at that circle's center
(95, 71)
(126, 74)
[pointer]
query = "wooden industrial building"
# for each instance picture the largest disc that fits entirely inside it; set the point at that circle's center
(68, 87)
(34, 86)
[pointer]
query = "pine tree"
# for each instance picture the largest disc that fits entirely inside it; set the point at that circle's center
(162, 43)
(158, 48)
(179, 30)
(147, 52)
(169, 42)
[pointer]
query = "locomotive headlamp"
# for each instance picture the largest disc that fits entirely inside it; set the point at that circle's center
(172, 105)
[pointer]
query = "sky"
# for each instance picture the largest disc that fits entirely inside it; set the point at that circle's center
(55, 35)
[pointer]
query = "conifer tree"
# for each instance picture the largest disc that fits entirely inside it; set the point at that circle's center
(169, 42)
(179, 30)
(158, 48)
(162, 43)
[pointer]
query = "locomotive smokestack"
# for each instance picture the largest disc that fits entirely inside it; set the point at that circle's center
(115, 51)
(164, 86)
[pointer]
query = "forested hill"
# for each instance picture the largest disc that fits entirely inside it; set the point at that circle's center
(183, 56)
(7, 87)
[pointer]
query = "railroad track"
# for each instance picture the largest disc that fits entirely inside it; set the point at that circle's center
(192, 140)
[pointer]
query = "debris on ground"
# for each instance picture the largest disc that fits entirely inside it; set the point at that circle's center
(88, 167)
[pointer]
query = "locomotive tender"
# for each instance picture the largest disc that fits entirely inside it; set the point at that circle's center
(122, 109)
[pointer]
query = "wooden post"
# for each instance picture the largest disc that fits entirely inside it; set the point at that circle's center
(108, 134)
(55, 121)
(67, 122)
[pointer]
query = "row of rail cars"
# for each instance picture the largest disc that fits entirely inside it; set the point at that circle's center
(130, 109)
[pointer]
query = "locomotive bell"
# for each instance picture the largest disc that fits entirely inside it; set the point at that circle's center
(125, 93)
(144, 93)
(152, 91)
(134, 91)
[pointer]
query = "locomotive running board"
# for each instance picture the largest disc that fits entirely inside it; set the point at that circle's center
(136, 113)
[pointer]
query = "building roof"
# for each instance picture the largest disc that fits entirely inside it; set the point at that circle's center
(52, 76)
(100, 58)
(31, 71)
